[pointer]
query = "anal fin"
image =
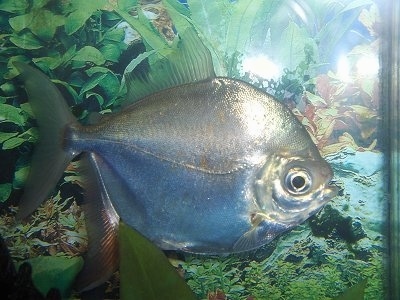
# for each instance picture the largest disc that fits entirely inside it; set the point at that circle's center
(102, 221)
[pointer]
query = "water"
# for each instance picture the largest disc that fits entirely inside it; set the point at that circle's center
(321, 58)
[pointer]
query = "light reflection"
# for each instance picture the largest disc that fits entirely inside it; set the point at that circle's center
(261, 66)
(363, 66)
(343, 68)
(254, 118)
(367, 65)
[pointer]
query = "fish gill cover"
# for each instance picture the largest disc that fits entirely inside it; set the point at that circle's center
(85, 47)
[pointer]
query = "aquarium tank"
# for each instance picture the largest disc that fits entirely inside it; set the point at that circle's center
(333, 63)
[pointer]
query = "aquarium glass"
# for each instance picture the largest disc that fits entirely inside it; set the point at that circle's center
(333, 63)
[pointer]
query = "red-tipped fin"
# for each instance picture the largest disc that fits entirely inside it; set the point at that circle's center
(101, 259)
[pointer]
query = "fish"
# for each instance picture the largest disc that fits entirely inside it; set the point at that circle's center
(206, 164)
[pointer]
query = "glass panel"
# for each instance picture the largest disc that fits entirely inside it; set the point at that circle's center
(334, 64)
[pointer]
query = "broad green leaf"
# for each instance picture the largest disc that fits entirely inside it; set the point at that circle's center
(5, 191)
(21, 22)
(45, 23)
(81, 12)
(98, 97)
(41, 22)
(20, 177)
(137, 60)
(8, 88)
(39, 3)
(93, 70)
(9, 113)
(151, 37)
(110, 85)
(111, 52)
(69, 54)
(240, 25)
(115, 35)
(26, 107)
(211, 19)
(50, 62)
(30, 135)
(13, 6)
(145, 271)
(92, 82)
(289, 50)
(12, 143)
(26, 41)
(55, 272)
(179, 14)
(69, 88)
(127, 4)
(89, 54)
(4, 136)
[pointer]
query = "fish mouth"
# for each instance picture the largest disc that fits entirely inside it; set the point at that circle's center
(330, 191)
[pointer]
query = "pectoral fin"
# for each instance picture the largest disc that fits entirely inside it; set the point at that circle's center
(260, 234)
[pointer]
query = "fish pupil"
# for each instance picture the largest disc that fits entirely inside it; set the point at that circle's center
(298, 182)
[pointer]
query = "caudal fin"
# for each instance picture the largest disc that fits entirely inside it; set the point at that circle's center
(49, 159)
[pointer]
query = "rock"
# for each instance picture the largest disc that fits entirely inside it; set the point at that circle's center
(363, 198)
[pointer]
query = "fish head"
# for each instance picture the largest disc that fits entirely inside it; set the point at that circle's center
(291, 189)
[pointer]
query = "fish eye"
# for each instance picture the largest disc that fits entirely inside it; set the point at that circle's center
(298, 181)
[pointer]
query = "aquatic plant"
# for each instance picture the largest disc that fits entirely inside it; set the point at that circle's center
(87, 60)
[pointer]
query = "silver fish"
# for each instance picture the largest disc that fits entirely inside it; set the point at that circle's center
(213, 166)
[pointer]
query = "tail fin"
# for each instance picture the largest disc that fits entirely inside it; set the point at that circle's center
(49, 158)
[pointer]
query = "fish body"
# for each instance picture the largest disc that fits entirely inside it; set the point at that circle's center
(192, 162)
(209, 166)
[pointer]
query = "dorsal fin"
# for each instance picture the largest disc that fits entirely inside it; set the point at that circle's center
(188, 60)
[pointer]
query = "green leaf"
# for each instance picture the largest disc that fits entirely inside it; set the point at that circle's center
(8, 88)
(179, 14)
(69, 88)
(48, 62)
(145, 271)
(81, 12)
(290, 48)
(111, 52)
(19, 23)
(127, 4)
(356, 292)
(55, 272)
(13, 6)
(26, 107)
(93, 70)
(26, 41)
(39, 3)
(42, 22)
(110, 85)
(114, 35)
(5, 191)
(89, 54)
(92, 82)
(45, 23)
(31, 135)
(98, 97)
(241, 22)
(12, 143)
(151, 37)
(4, 136)
(20, 177)
(9, 113)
